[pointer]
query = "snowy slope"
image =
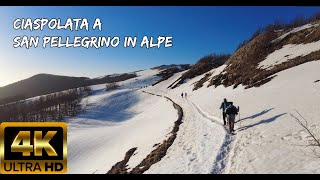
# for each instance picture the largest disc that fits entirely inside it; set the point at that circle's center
(115, 121)
(268, 139)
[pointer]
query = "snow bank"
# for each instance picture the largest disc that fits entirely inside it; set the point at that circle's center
(287, 52)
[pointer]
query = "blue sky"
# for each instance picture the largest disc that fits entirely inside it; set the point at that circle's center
(196, 31)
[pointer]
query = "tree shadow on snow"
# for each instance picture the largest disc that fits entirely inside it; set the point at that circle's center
(256, 115)
(265, 121)
(114, 108)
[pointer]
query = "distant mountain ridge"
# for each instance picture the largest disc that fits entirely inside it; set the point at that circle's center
(41, 84)
(179, 66)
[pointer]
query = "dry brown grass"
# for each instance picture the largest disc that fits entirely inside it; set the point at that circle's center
(167, 73)
(121, 167)
(243, 64)
(204, 65)
(199, 83)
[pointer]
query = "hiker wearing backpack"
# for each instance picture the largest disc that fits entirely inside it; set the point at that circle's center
(231, 113)
(224, 106)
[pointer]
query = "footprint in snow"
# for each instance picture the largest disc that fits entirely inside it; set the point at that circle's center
(286, 137)
(193, 157)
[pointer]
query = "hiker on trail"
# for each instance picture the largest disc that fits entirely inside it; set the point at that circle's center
(224, 106)
(231, 112)
(185, 95)
(182, 95)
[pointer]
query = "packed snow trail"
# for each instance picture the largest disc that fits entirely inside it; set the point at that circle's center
(222, 159)
(202, 144)
(205, 115)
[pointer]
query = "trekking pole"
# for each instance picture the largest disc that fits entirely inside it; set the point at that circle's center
(239, 112)
(239, 116)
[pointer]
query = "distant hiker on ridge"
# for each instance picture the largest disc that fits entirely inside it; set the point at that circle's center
(224, 106)
(185, 95)
(231, 112)
(182, 95)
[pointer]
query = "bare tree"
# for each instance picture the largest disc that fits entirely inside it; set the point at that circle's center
(314, 142)
(52, 107)
(112, 86)
(87, 90)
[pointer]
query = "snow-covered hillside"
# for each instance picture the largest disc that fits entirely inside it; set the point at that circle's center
(116, 121)
(267, 139)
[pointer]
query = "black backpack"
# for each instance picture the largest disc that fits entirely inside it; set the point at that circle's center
(232, 110)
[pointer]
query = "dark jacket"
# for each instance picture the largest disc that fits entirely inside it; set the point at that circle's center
(224, 105)
(232, 110)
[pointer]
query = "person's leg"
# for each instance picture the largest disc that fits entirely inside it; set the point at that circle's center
(232, 119)
(229, 123)
(224, 118)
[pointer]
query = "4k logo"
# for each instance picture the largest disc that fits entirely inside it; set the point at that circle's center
(33, 148)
